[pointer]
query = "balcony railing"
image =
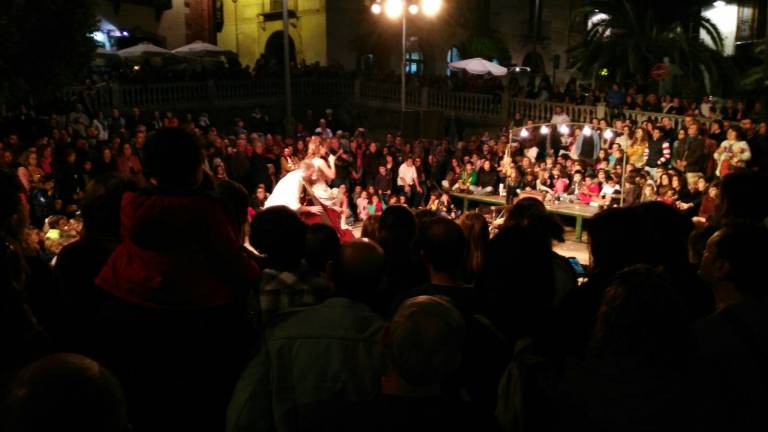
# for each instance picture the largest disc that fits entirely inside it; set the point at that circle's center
(495, 109)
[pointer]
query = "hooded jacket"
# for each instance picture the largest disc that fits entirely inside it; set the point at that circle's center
(177, 252)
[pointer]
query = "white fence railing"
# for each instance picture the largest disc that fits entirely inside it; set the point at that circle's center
(491, 108)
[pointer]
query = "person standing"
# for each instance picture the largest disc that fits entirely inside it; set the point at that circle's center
(407, 180)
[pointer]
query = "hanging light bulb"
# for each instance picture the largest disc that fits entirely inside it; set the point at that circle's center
(608, 134)
(544, 130)
(376, 8)
(413, 9)
(587, 131)
(524, 133)
(564, 129)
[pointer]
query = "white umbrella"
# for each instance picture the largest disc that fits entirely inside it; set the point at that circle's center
(144, 49)
(478, 66)
(202, 49)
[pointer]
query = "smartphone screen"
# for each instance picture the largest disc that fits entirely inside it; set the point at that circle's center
(577, 266)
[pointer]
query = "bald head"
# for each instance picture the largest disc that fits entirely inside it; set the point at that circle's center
(426, 336)
(359, 269)
(65, 392)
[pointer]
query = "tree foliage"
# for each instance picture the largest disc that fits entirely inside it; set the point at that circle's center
(635, 35)
(44, 46)
(488, 46)
(756, 78)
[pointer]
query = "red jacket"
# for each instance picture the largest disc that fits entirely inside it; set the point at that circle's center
(178, 252)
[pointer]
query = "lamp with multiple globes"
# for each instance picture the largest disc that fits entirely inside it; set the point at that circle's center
(431, 7)
(395, 8)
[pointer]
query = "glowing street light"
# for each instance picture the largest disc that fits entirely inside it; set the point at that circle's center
(431, 7)
(393, 8)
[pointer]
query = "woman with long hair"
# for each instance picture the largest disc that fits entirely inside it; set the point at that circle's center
(637, 147)
(29, 172)
(325, 171)
(475, 229)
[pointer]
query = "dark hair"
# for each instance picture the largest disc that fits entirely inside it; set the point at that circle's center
(443, 245)
(322, 246)
(737, 197)
(65, 392)
(279, 233)
(743, 246)
(173, 157)
(235, 200)
(102, 201)
(641, 316)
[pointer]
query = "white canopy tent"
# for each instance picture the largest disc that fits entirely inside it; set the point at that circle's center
(478, 66)
(202, 49)
(144, 49)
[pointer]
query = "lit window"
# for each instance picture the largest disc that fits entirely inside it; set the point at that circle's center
(414, 62)
(453, 56)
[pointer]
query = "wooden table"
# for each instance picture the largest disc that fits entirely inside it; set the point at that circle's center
(577, 210)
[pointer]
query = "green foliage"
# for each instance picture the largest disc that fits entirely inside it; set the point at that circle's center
(487, 46)
(756, 78)
(44, 46)
(639, 34)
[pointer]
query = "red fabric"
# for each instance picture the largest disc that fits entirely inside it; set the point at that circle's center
(178, 252)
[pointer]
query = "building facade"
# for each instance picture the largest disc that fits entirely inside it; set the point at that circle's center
(167, 23)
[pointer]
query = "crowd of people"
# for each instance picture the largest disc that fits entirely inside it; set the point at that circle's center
(151, 250)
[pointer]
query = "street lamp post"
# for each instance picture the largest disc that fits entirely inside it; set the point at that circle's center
(397, 9)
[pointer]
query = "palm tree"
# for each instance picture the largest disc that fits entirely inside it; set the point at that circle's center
(632, 36)
(756, 78)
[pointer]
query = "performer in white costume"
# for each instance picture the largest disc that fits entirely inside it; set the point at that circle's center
(324, 172)
(288, 190)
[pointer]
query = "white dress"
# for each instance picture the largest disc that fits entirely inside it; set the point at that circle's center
(320, 188)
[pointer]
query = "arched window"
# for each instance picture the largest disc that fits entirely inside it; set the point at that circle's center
(453, 56)
(414, 62)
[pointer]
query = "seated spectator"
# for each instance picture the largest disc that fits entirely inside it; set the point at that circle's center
(589, 190)
(326, 353)
(487, 180)
(467, 178)
(65, 392)
(362, 206)
(375, 207)
(733, 154)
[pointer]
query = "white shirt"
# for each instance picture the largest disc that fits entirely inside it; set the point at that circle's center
(324, 132)
(287, 191)
(406, 173)
(607, 190)
(561, 118)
